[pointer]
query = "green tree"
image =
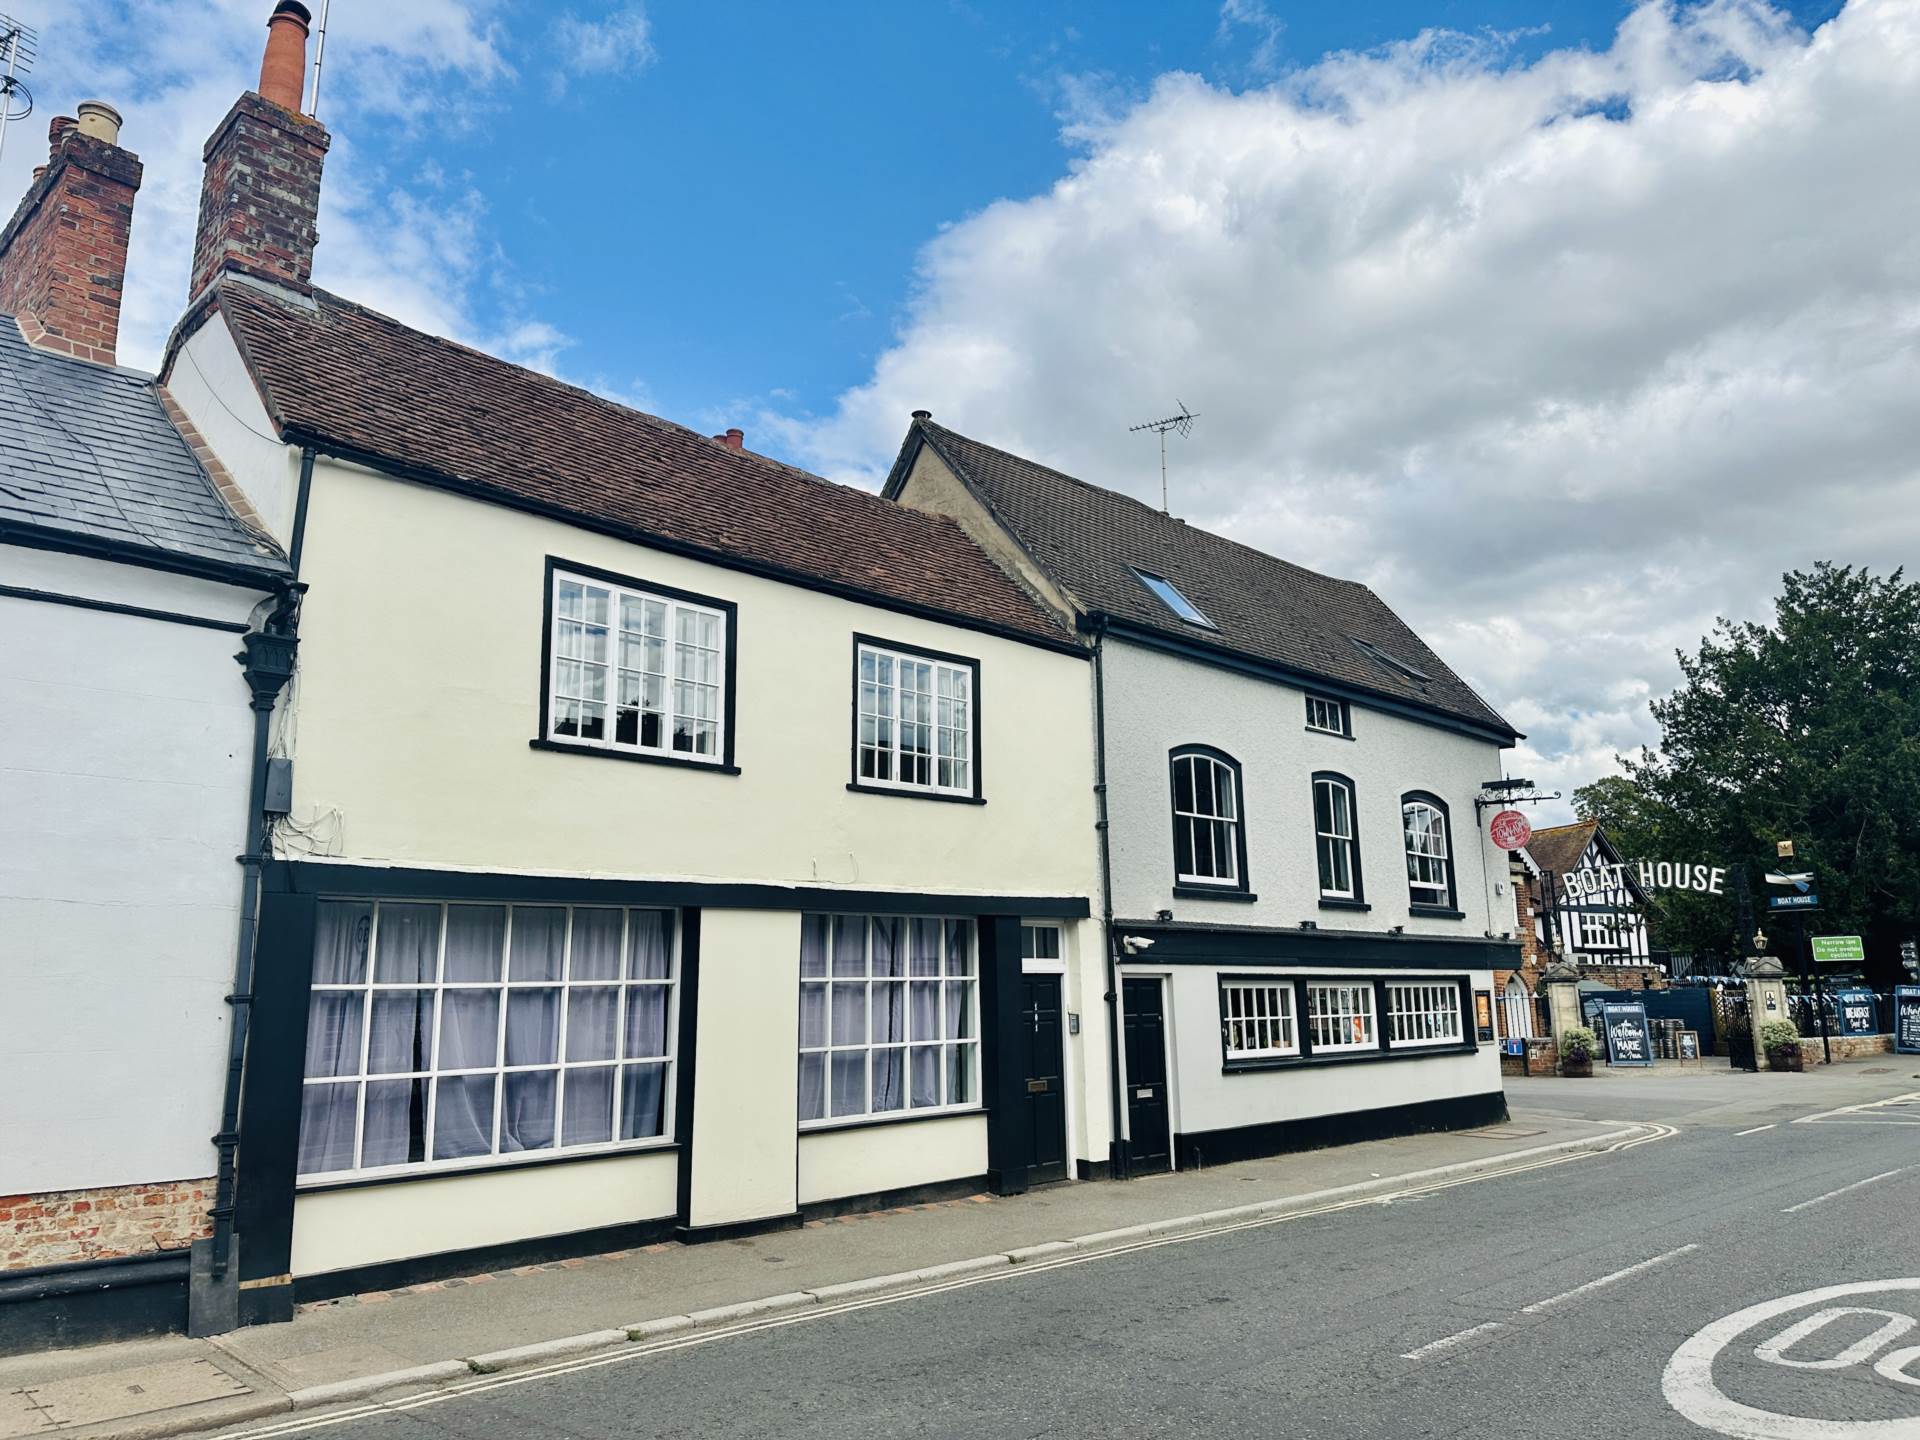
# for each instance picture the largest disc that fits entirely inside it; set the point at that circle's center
(1805, 730)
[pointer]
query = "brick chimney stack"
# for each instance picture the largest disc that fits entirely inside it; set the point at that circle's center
(63, 255)
(260, 197)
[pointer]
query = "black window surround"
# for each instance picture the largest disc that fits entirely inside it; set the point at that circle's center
(724, 765)
(1236, 890)
(1383, 1049)
(920, 652)
(1358, 900)
(1424, 908)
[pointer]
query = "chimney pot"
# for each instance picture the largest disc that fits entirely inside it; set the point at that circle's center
(57, 129)
(923, 414)
(283, 68)
(98, 120)
(734, 439)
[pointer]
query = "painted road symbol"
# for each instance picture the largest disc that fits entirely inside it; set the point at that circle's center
(1852, 1347)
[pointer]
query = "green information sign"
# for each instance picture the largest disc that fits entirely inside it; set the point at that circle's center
(1839, 950)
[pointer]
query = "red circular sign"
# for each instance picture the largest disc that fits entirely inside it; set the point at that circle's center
(1510, 830)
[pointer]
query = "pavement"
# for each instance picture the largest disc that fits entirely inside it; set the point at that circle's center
(1292, 1293)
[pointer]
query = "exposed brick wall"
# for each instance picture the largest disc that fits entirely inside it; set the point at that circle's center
(1845, 1047)
(63, 255)
(71, 1225)
(260, 196)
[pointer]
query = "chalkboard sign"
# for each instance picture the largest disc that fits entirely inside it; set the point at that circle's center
(1689, 1044)
(1628, 1042)
(1853, 1012)
(1906, 1019)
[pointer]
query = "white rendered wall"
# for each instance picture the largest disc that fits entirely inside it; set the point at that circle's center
(366, 1225)
(891, 1155)
(1206, 1096)
(124, 752)
(209, 381)
(419, 690)
(746, 1067)
(1155, 702)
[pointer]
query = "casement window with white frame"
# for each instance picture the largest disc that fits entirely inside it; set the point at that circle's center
(1329, 717)
(916, 716)
(1598, 930)
(1423, 1013)
(1340, 1017)
(889, 1017)
(1207, 838)
(453, 1035)
(637, 672)
(1256, 1018)
(1334, 838)
(1429, 865)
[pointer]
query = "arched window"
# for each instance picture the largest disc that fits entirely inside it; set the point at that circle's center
(1423, 819)
(1209, 838)
(1337, 839)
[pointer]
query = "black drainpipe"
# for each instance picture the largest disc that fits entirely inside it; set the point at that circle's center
(1117, 1165)
(266, 661)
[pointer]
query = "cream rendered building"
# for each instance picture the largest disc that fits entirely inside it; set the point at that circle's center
(677, 844)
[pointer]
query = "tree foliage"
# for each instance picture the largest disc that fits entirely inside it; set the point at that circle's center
(1805, 730)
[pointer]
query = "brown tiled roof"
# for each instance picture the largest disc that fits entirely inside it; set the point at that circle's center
(1092, 542)
(1559, 847)
(347, 378)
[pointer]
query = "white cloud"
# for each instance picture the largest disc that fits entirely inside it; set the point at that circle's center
(1565, 357)
(619, 42)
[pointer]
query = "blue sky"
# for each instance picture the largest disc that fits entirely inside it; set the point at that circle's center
(758, 189)
(1536, 317)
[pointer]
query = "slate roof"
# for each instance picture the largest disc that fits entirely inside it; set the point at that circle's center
(1090, 541)
(88, 456)
(357, 382)
(1559, 847)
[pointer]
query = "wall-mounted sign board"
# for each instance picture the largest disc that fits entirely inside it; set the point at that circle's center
(1483, 1015)
(1839, 950)
(1628, 1042)
(1793, 902)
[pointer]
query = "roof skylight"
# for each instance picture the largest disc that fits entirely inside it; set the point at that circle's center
(1169, 595)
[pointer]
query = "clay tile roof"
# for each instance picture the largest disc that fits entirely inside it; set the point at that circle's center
(1092, 541)
(356, 382)
(89, 458)
(1559, 847)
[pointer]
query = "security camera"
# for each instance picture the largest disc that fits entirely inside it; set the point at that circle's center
(1135, 944)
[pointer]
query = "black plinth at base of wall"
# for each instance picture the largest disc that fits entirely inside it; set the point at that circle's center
(52, 1307)
(1253, 1142)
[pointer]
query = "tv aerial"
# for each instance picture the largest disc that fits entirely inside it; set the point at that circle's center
(1183, 423)
(18, 46)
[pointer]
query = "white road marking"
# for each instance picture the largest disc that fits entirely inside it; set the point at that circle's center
(439, 1395)
(1906, 1099)
(1844, 1189)
(1755, 1131)
(1541, 1306)
(1689, 1386)
(1446, 1343)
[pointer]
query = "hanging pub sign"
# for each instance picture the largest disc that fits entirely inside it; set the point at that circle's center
(1510, 830)
(1598, 880)
(1853, 1011)
(1628, 1042)
(1906, 1019)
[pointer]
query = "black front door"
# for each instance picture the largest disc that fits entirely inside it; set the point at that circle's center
(1149, 1144)
(1043, 1131)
